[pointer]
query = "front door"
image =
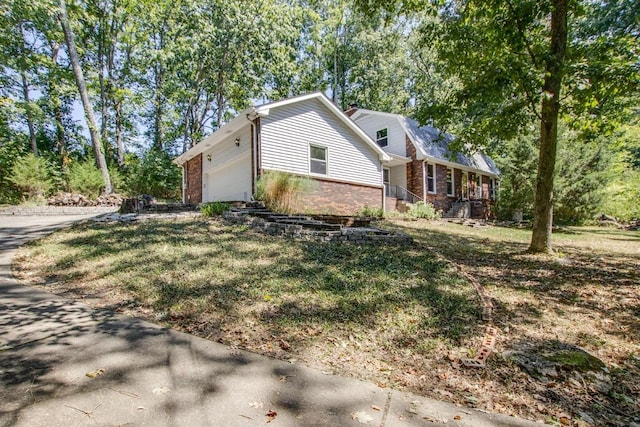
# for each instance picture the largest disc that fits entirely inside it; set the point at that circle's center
(465, 185)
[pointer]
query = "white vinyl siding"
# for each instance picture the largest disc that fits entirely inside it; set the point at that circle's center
(398, 176)
(288, 131)
(372, 123)
(226, 150)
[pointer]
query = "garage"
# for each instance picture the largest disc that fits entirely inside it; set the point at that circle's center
(230, 182)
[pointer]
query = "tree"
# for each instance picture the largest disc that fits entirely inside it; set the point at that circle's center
(533, 60)
(84, 95)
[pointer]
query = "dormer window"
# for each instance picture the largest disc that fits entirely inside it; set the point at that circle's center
(382, 137)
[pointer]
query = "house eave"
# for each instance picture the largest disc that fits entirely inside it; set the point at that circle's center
(236, 124)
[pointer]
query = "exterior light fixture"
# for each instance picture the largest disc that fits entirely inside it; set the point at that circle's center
(209, 157)
(237, 142)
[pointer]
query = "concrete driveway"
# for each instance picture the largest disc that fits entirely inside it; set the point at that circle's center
(63, 363)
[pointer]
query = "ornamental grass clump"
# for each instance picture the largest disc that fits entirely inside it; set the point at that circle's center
(280, 191)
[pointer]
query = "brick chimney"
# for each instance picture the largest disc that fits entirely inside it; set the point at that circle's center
(352, 109)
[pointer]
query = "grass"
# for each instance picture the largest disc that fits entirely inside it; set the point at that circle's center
(399, 316)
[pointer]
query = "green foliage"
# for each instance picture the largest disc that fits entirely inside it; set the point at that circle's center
(33, 176)
(422, 210)
(85, 178)
(10, 151)
(213, 208)
(581, 177)
(368, 211)
(518, 164)
(154, 174)
(280, 190)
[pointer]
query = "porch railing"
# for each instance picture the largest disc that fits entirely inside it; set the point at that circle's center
(401, 193)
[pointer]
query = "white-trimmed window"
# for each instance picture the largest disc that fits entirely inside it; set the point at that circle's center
(492, 188)
(317, 160)
(382, 137)
(431, 177)
(450, 182)
(478, 186)
(386, 179)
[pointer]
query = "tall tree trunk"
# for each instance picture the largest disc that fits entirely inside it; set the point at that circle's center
(27, 102)
(56, 103)
(119, 140)
(158, 132)
(84, 96)
(543, 210)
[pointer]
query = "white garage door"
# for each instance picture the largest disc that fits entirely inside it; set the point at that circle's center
(231, 182)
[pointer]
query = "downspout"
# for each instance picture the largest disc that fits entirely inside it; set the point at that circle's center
(184, 183)
(254, 120)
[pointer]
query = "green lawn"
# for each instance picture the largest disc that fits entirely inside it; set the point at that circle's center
(399, 316)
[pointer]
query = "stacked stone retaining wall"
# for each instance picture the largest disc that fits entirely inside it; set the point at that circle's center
(355, 235)
(56, 210)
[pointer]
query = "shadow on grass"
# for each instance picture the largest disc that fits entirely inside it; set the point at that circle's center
(506, 265)
(187, 269)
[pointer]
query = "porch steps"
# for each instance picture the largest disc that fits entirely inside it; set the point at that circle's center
(459, 210)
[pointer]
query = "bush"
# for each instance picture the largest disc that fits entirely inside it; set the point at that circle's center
(85, 178)
(154, 174)
(280, 190)
(422, 210)
(33, 176)
(368, 211)
(213, 208)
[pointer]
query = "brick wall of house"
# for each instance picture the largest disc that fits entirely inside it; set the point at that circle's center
(193, 170)
(338, 198)
(415, 171)
(440, 200)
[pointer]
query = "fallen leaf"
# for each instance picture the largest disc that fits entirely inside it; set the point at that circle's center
(271, 415)
(375, 408)
(285, 345)
(161, 390)
(256, 404)
(140, 408)
(362, 417)
(457, 417)
(95, 373)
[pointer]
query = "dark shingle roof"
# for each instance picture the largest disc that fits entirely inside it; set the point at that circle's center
(435, 144)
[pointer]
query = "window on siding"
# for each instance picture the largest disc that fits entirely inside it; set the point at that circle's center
(449, 182)
(431, 178)
(385, 176)
(382, 137)
(318, 160)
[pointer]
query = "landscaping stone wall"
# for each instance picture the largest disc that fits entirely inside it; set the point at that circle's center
(193, 171)
(339, 198)
(56, 210)
(295, 231)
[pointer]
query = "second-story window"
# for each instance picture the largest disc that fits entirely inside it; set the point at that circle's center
(382, 137)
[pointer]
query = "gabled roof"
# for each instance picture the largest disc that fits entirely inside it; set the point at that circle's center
(245, 118)
(433, 144)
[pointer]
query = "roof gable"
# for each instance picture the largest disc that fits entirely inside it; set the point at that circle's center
(243, 119)
(433, 144)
